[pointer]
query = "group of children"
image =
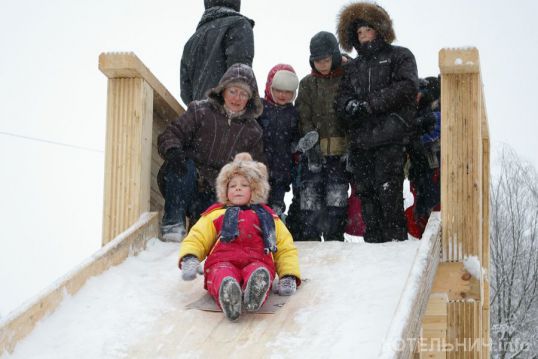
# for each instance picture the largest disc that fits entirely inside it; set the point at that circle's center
(246, 239)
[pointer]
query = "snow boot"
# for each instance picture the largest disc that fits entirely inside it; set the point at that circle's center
(307, 141)
(173, 232)
(256, 289)
(230, 298)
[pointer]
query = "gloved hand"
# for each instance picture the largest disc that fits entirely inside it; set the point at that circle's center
(287, 285)
(189, 267)
(175, 160)
(356, 108)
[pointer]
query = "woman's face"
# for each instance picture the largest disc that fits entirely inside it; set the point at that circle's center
(239, 191)
(366, 34)
(235, 98)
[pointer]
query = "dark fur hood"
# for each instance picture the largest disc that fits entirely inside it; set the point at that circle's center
(368, 12)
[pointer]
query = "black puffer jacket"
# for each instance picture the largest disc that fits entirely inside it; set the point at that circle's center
(383, 75)
(223, 37)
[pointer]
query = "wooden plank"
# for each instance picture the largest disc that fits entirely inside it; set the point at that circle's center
(453, 279)
(459, 61)
(127, 154)
(461, 166)
(128, 65)
(21, 322)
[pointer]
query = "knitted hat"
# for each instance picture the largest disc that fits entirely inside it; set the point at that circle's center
(285, 80)
(232, 4)
(255, 172)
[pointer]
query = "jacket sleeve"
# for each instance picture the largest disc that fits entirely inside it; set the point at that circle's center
(179, 133)
(286, 256)
(185, 80)
(403, 88)
(346, 92)
(200, 240)
(239, 43)
(304, 107)
(257, 151)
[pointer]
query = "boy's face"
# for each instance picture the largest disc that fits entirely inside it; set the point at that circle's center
(366, 34)
(282, 97)
(323, 66)
(239, 191)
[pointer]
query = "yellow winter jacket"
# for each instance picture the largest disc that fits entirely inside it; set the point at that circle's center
(204, 235)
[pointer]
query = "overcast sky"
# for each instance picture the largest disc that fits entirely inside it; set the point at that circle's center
(51, 90)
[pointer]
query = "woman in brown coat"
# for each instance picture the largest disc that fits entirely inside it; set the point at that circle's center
(197, 144)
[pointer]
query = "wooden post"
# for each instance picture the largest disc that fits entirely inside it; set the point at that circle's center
(137, 105)
(464, 204)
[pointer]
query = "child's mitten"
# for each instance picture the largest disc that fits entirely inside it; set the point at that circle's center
(287, 285)
(189, 267)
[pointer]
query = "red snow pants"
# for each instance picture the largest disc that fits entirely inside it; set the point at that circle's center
(355, 224)
(217, 272)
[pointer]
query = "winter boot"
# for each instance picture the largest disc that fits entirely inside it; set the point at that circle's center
(307, 141)
(173, 232)
(256, 290)
(230, 298)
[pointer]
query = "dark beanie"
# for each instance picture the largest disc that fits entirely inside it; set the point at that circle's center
(232, 4)
(324, 44)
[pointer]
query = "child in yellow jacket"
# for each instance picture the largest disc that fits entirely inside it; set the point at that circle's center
(244, 241)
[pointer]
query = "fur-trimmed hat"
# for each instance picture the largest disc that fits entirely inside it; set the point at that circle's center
(255, 172)
(361, 13)
(232, 4)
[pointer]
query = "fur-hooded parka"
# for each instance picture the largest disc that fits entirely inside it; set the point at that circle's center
(255, 172)
(359, 13)
(238, 73)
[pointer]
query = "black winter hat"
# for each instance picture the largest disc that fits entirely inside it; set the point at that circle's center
(324, 44)
(233, 4)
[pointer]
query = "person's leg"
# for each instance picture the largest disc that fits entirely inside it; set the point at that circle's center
(389, 178)
(257, 283)
(363, 178)
(223, 284)
(276, 197)
(311, 205)
(336, 189)
(178, 191)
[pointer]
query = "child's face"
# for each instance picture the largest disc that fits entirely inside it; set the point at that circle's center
(282, 97)
(323, 66)
(239, 191)
(366, 34)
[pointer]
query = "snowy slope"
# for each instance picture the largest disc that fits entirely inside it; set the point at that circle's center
(137, 310)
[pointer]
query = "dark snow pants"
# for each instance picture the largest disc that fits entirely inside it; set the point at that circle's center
(323, 199)
(378, 174)
(183, 197)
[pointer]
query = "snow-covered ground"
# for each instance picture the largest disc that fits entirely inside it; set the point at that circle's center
(345, 307)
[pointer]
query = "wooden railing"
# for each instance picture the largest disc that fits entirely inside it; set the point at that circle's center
(456, 323)
(139, 108)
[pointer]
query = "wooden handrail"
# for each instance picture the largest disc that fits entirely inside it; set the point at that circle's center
(138, 108)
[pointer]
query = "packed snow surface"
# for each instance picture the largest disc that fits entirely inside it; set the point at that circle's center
(345, 307)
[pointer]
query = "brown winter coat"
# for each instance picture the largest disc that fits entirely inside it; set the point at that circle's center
(205, 134)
